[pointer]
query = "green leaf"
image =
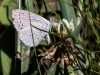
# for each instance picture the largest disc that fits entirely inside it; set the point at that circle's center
(25, 59)
(29, 5)
(77, 29)
(6, 63)
(6, 2)
(3, 16)
(5, 13)
(7, 52)
(52, 70)
(67, 10)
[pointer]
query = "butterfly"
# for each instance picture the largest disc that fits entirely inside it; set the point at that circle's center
(26, 23)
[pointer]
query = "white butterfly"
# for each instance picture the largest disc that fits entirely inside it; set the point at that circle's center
(22, 20)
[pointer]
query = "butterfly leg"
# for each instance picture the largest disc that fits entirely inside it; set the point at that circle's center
(47, 38)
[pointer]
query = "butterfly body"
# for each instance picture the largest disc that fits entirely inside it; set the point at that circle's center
(23, 22)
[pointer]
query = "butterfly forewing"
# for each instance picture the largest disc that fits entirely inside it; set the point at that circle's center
(23, 18)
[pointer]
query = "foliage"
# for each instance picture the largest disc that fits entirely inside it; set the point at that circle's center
(72, 52)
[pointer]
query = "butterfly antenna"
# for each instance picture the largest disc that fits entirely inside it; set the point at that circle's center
(45, 7)
(47, 11)
(50, 15)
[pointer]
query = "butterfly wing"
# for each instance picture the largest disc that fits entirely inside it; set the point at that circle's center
(25, 36)
(23, 18)
(20, 19)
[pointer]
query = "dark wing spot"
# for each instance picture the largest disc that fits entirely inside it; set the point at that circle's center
(20, 20)
(30, 35)
(39, 24)
(22, 24)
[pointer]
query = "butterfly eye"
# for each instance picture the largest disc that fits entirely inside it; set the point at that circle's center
(12, 19)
